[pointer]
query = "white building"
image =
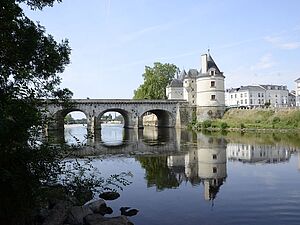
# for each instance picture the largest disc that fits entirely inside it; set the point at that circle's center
(257, 96)
(254, 153)
(203, 89)
(297, 92)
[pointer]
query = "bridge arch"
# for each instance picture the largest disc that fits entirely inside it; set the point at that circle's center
(165, 118)
(59, 116)
(125, 114)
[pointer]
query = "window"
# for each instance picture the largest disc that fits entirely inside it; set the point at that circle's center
(258, 101)
(214, 169)
(235, 95)
(212, 84)
(212, 72)
(214, 156)
(251, 95)
(258, 94)
(251, 102)
(212, 97)
(231, 96)
(262, 94)
(245, 95)
(246, 101)
(241, 102)
(241, 95)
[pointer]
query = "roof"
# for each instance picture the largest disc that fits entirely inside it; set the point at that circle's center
(273, 87)
(297, 79)
(182, 74)
(192, 73)
(176, 83)
(211, 64)
(252, 88)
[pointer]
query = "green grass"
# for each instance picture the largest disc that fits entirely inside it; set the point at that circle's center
(254, 119)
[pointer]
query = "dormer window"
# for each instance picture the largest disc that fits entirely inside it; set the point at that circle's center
(212, 72)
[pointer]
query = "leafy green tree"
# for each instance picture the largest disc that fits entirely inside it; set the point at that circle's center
(69, 119)
(29, 63)
(156, 79)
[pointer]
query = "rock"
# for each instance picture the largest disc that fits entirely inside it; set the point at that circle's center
(58, 213)
(97, 219)
(96, 205)
(83, 196)
(77, 214)
(109, 195)
(126, 212)
(93, 219)
(105, 210)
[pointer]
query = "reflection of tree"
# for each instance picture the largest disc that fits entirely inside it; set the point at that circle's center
(157, 172)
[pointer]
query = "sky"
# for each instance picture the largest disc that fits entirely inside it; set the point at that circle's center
(251, 41)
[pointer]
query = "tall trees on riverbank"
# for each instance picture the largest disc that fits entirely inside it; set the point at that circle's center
(156, 79)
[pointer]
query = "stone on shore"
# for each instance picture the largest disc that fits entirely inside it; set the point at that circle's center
(58, 214)
(77, 214)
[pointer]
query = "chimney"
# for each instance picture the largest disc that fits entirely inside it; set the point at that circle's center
(204, 63)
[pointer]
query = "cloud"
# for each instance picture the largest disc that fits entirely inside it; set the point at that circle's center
(265, 62)
(279, 42)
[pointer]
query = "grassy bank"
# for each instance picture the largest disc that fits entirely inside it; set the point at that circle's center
(253, 119)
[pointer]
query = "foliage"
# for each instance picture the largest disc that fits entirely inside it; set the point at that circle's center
(158, 173)
(224, 126)
(30, 61)
(156, 79)
(206, 124)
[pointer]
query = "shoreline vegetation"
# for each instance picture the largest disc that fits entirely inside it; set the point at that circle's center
(253, 120)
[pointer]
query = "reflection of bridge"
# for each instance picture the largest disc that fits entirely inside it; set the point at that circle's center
(170, 113)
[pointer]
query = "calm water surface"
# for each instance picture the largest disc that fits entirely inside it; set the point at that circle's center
(185, 178)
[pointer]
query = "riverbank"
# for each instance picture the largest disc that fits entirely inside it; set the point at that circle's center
(283, 120)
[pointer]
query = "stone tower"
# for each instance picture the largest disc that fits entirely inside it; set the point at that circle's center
(210, 90)
(190, 86)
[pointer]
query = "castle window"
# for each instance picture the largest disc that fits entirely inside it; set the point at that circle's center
(212, 72)
(214, 169)
(212, 97)
(214, 156)
(212, 84)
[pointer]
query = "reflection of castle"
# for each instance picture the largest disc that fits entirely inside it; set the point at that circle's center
(250, 153)
(206, 164)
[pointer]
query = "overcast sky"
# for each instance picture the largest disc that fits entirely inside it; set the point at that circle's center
(252, 41)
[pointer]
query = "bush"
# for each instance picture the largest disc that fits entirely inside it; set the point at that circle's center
(276, 119)
(224, 125)
(242, 126)
(206, 124)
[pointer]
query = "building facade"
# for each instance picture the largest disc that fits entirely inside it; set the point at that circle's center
(203, 89)
(258, 95)
(297, 92)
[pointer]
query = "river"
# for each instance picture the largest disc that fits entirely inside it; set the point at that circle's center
(184, 178)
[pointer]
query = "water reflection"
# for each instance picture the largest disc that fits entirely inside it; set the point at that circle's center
(171, 157)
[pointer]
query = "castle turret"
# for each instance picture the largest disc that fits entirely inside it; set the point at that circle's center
(190, 86)
(210, 90)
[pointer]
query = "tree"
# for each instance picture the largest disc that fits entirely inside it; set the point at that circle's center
(29, 63)
(69, 119)
(156, 80)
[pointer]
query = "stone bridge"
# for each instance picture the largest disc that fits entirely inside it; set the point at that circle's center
(170, 113)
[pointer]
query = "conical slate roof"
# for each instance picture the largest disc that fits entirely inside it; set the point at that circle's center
(211, 64)
(182, 74)
(192, 73)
